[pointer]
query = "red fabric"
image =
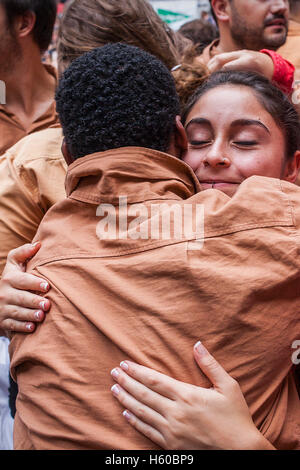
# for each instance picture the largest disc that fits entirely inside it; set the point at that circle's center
(60, 8)
(284, 71)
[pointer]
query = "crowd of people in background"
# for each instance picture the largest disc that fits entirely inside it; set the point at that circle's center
(135, 341)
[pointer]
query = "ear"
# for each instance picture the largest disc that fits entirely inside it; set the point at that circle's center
(67, 155)
(24, 24)
(179, 143)
(292, 168)
(221, 9)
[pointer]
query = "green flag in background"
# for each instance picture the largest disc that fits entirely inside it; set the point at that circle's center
(171, 16)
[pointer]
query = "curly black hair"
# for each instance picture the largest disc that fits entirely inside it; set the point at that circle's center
(117, 96)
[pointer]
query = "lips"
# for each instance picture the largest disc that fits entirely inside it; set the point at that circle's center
(278, 22)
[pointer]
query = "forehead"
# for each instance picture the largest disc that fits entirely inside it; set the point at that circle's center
(227, 103)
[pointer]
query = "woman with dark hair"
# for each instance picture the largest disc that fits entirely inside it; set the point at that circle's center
(238, 125)
(232, 97)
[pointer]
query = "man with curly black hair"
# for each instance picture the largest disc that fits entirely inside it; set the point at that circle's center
(123, 97)
(119, 111)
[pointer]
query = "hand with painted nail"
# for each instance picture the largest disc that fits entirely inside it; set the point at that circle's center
(176, 415)
(20, 308)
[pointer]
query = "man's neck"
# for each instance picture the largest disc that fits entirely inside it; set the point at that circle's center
(29, 88)
(226, 43)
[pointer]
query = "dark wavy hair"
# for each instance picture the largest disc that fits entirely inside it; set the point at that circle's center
(117, 96)
(45, 12)
(274, 101)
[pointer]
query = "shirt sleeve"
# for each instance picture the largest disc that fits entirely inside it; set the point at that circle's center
(26, 193)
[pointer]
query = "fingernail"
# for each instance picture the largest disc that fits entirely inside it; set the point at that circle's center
(43, 305)
(44, 286)
(115, 373)
(115, 389)
(35, 244)
(38, 315)
(127, 415)
(29, 326)
(124, 365)
(200, 348)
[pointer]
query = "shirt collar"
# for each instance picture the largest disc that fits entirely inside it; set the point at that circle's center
(139, 174)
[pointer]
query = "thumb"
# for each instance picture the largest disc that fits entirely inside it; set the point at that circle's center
(23, 253)
(211, 368)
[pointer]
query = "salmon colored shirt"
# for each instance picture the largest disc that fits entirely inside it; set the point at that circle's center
(32, 179)
(12, 130)
(150, 300)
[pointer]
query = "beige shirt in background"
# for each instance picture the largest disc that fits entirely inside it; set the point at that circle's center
(291, 49)
(150, 300)
(12, 130)
(32, 176)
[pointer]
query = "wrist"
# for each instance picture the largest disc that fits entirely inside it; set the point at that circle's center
(283, 76)
(257, 441)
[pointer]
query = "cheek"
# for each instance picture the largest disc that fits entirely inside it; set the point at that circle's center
(193, 158)
(261, 164)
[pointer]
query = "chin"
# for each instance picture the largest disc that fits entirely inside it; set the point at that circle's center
(274, 43)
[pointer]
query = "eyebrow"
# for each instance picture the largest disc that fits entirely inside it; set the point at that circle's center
(238, 122)
(250, 122)
(198, 121)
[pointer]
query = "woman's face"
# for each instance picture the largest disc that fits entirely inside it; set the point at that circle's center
(232, 137)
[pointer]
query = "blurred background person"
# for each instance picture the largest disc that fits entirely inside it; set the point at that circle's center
(26, 30)
(252, 25)
(200, 32)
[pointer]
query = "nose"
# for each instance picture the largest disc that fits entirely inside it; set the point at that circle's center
(215, 158)
(280, 6)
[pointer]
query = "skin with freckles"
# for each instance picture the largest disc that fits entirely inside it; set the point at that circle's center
(231, 137)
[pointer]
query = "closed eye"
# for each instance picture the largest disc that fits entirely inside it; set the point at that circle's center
(199, 142)
(246, 143)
